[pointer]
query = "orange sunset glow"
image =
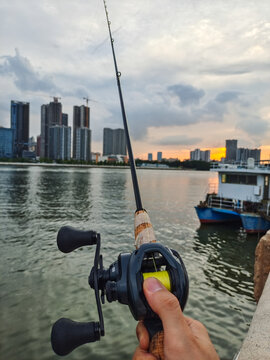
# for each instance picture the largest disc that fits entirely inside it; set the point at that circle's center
(216, 153)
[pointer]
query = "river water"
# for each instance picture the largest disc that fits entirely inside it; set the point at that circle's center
(39, 284)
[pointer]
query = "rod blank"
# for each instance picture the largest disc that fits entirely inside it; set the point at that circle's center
(130, 152)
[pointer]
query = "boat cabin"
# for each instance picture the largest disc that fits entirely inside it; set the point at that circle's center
(244, 182)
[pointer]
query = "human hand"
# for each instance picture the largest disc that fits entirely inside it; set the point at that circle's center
(184, 338)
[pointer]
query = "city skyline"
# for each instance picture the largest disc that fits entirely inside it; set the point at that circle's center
(197, 76)
(84, 120)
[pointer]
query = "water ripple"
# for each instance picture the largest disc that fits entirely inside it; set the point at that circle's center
(39, 284)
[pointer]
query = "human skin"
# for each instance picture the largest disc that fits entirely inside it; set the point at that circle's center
(184, 338)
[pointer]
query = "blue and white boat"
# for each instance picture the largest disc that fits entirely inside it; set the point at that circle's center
(243, 196)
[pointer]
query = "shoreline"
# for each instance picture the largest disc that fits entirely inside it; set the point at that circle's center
(52, 165)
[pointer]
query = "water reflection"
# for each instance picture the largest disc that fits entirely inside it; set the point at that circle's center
(17, 185)
(39, 284)
(53, 189)
(113, 189)
(230, 258)
(81, 199)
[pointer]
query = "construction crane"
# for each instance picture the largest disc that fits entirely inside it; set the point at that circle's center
(55, 98)
(87, 99)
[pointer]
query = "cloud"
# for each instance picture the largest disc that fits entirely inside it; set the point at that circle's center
(228, 70)
(26, 78)
(227, 96)
(177, 140)
(157, 115)
(201, 74)
(187, 94)
(243, 68)
(159, 110)
(255, 127)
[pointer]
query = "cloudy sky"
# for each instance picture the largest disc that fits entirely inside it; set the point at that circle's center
(194, 72)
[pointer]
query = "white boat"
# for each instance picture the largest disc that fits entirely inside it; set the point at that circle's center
(243, 196)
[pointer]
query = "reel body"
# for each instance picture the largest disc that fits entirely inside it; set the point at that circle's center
(122, 282)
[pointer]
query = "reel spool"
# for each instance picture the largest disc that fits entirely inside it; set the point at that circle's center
(122, 281)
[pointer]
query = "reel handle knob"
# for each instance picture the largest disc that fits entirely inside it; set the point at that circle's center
(69, 239)
(67, 335)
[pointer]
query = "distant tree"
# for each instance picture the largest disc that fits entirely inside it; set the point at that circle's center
(196, 165)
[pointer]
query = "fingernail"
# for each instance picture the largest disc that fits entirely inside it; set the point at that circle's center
(153, 285)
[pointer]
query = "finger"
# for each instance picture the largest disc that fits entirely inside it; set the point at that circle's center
(143, 336)
(141, 354)
(166, 306)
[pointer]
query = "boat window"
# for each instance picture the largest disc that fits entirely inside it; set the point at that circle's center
(242, 179)
(232, 179)
(251, 179)
(266, 181)
(239, 179)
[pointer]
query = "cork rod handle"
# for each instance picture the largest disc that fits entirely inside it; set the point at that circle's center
(144, 234)
(157, 345)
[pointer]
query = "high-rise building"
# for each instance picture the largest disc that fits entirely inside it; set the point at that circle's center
(85, 116)
(19, 120)
(195, 155)
(107, 141)
(76, 124)
(44, 136)
(205, 155)
(114, 142)
(64, 119)
(60, 142)
(255, 154)
(83, 144)
(243, 154)
(6, 143)
(81, 133)
(200, 155)
(55, 112)
(159, 156)
(150, 157)
(231, 149)
(51, 115)
(38, 145)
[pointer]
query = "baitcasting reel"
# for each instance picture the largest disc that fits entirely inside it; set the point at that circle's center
(122, 281)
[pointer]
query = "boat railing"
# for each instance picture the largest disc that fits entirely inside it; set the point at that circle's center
(261, 164)
(220, 202)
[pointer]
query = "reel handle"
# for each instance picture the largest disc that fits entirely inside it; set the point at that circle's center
(67, 335)
(69, 239)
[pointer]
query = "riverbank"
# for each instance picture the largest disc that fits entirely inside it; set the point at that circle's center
(256, 345)
(55, 165)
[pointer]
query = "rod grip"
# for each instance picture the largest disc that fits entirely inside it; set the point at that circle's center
(143, 229)
(157, 345)
(69, 238)
(156, 334)
(67, 335)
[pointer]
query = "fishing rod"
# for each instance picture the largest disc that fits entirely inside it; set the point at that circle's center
(123, 280)
(130, 152)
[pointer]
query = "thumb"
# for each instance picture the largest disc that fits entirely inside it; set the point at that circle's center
(166, 306)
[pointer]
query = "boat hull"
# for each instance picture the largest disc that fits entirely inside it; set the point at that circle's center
(253, 223)
(208, 215)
